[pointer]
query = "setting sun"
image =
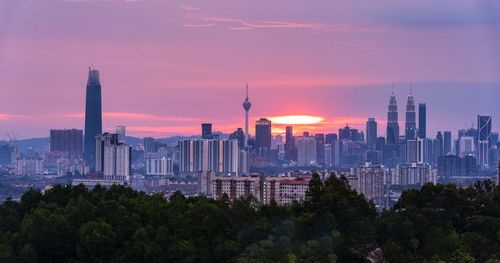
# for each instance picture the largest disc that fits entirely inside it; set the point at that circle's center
(296, 119)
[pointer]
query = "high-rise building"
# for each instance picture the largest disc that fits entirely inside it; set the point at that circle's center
(371, 132)
(411, 151)
(392, 122)
(113, 158)
(446, 142)
(306, 151)
(69, 142)
(206, 130)
(422, 120)
(371, 180)
(438, 148)
(120, 130)
(320, 148)
(93, 116)
(290, 149)
(410, 121)
(149, 145)
(424, 150)
(219, 156)
(348, 134)
(239, 135)
(28, 166)
(483, 140)
(159, 166)
(246, 107)
(466, 146)
(263, 134)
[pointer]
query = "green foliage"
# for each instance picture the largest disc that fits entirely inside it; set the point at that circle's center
(438, 223)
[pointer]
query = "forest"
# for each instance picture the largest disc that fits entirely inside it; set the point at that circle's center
(437, 223)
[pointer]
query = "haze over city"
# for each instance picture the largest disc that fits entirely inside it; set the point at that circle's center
(167, 66)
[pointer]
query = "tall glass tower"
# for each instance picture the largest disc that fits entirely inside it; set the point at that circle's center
(93, 117)
(392, 121)
(411, 122)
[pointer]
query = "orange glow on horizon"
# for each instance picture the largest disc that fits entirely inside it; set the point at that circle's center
(296, 119)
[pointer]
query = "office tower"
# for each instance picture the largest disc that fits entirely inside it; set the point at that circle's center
(446, 142)
(320, 148)
(93, 116)
(438, 148)
(276, 140)
(160, 166)
(246, 107)
(328, 155)
(290, 149)
(392, 122)
(263, 134)
(239, 135)
(466, 146)
(410, 121)
(422, 120)
(483, 140)
(349, 134)
(371, 132)
(306, 151)
(120, 130)
(424, 150)
(450, 166)
(149, 145)
(330, 138)
(69, 142)
(206, 130)
(411, 151)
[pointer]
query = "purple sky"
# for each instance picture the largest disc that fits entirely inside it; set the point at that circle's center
(167, 66)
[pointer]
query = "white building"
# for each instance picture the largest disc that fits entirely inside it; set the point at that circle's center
(306, 150)
(117, 162)
(412, 174)
(159, 166)
(29, 166)
(220, 156)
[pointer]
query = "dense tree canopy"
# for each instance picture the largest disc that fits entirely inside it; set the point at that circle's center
(334, 224)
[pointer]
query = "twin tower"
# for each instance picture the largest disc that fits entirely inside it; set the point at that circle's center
(410, 121)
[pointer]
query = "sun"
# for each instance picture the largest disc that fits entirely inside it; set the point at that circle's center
(296, 119)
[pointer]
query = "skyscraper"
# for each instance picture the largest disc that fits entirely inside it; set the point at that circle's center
(290, 149)
(306, 151)
(446, 142)
(422, 119)
(246, 107)
(484, 132)
(67, 141)
(371, 132)
(263, 134)
(206, 130)
(93, 116)
(320, 148)
(392, 122)
(410, 121)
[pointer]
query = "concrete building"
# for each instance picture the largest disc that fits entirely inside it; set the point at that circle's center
(371, 179)
(69, 142)
(160, 166)
(235, 187)
(28, 166)
(412, 175)
(306, 150)
(219, 156)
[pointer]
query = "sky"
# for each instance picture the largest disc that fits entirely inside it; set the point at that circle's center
(168, 66)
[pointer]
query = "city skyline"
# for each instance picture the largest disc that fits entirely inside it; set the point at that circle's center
(297, 60)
